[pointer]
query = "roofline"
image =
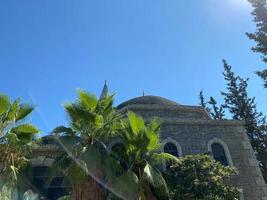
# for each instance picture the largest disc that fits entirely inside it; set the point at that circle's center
(198, 109)
(214, 122)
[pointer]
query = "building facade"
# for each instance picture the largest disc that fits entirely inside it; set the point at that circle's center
(185, 130)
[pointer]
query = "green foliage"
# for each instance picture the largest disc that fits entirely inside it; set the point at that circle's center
(91, 118)
(143, 159)
(125, 186)
(263, 75)
(216, 112)
(202, 99)
(260, 35)
(198, 177)
(243, 107)
(15, 138)
(84, 159)
(66, 197)
(136, 123)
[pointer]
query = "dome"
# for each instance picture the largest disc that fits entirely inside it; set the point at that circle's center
(148, 100)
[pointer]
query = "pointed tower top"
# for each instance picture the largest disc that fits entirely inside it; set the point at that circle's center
(105, 92)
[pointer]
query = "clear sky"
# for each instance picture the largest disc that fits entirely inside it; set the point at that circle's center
(170, 48)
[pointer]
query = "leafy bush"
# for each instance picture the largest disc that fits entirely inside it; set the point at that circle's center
(200, 177)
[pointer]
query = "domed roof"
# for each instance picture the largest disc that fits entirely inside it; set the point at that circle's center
(149, 100)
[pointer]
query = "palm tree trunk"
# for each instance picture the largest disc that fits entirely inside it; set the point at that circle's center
(87, 190)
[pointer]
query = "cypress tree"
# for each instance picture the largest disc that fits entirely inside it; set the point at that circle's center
(216, 112)
(259, 14)
(202, 99)
(242, 107)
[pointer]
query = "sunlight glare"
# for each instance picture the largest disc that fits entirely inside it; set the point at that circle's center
(239, 3)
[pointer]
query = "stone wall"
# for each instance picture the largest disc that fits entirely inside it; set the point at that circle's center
(194, 138)
(195, 135)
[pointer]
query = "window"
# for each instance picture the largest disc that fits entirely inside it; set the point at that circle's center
(40, 176)
(220, 152)
(56, 189)
(171, 149)
(48, 189)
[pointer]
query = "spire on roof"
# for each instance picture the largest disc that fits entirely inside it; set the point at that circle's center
(105, 92)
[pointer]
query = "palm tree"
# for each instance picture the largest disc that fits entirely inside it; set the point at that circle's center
(84, 159)
(15, 139)
(142, 179)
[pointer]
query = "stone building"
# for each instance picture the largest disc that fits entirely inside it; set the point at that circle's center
(185, 130)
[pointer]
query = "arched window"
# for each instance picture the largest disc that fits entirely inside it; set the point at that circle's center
(171, 149)
(171, 146)
(220, 151)
(219, 154)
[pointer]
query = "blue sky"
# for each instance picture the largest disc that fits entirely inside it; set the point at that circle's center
(167, 48)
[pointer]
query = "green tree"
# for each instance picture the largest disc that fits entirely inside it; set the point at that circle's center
(215, 111)
(202, 99)
(198, 177)
(142, 179)
(84, 160)
(260, 36)
(15, 140)
(242, 107)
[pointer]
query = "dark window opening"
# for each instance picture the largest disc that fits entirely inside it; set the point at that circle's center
(171, 149)
(47, 187)
(219, 153)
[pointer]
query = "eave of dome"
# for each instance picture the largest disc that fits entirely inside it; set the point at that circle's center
(148, 100)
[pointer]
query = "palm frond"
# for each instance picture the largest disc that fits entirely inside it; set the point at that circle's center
(12, 138)
(153, 140)
(155, 178)
(126, 186)
(154, 125)
(4, 104)
(92, 158)
(136, 122)
(87, 100)
(66, 197)
(13, 111)
(111, 169)
(14, 171)
(24, 111)
(160, 158)
(25, 128)
(62, 130)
